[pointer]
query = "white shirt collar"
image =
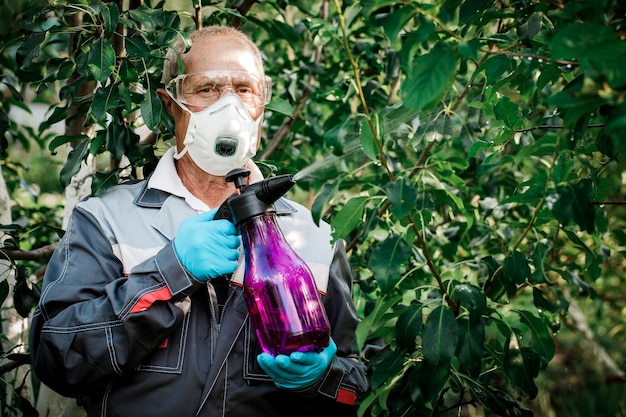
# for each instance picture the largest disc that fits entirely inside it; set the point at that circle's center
(165, 178)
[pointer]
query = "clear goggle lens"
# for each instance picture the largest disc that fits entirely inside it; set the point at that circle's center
(205, 88)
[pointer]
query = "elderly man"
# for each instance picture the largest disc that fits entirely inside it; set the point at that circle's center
(142, 312)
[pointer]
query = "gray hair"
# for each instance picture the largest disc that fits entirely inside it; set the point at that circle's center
(178, 50)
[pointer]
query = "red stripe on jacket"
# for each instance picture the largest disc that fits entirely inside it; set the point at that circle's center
(148, 299)
(345, 396)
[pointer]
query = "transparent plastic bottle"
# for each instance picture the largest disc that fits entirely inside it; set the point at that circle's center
(280, 292)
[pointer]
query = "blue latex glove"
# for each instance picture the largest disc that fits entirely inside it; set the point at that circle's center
(298, 370)
(207, 248)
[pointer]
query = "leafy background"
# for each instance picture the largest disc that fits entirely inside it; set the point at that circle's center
(469, 152)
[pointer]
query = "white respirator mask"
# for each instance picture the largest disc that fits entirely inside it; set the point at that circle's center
(221, 137)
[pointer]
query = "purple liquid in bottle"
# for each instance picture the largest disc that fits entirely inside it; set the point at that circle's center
(280, 291)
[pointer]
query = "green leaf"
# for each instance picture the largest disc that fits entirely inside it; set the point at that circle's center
(531, 194)
(4, 290)
(136, 47)
(495, 67)
(471, 344)
(469, 49)
(522, 367)
(604, 63)
(280, 106)
(4, 127)
(472, 299)
(58, 114)
(576, 102)
(127, 72)
(542, 303)
(508, 112)
(573, 202)
(119, 139)
(409, 326)
(29, 49)
(349, 217)
(577, 40)
(440, 336)
(472, 10)
(503, 327)
(367, 138)
(432, 380)
(110, 16)
(430, 78)
(478, 146)
(327, 192)
(500, 285)
(101, 61)
(102, 181)
(386, 364)
(96, 146)
(591, 258)
(531, 27)
(402, 195)
(496, 400)
(376, 318)
(73, 162)
(147, 17)
(516, 267)
(539, 254)
(151, 109)
(385, 261)
(104, 99)
(63, 139)
(395, 21)
(66, 69)
(541, 342)
(25, 298)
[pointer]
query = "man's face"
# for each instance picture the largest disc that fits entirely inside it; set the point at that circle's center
(215, 54)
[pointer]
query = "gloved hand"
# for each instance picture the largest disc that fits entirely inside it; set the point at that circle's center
(298, 370)
(207, 248)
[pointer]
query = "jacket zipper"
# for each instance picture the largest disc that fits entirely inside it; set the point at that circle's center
(215, 326)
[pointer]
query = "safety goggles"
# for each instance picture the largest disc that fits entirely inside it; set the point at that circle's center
(205, 88)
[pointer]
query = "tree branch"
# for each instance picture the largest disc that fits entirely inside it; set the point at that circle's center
(243, 10)
(579, 323)
(9, 366)
(29, 255)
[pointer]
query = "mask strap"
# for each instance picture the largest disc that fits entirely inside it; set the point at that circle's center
(178, 155)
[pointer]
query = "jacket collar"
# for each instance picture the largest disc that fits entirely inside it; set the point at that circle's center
(153, 198)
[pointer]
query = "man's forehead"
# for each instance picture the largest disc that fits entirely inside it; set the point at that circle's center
(221, 53)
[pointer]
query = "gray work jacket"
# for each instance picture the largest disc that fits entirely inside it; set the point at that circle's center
(123, 327)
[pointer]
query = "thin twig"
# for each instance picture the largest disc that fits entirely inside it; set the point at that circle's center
(548, 127)
(609, 203)
(539, 58)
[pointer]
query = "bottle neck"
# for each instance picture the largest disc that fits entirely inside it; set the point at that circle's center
(262, 231)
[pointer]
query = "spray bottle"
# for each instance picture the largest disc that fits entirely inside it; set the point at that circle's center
(279, 289)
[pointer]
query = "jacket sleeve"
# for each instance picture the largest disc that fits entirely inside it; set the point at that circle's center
(92, 322)
(346, 378)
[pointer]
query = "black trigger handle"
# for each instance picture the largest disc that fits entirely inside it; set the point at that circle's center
(223, 213)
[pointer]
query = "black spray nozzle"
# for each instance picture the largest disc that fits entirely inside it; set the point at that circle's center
(238, 176)
(271, 189)
(254, 199)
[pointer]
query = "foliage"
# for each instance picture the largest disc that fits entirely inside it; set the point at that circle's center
(470, 152)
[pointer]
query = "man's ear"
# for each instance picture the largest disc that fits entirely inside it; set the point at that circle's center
(167, 100)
